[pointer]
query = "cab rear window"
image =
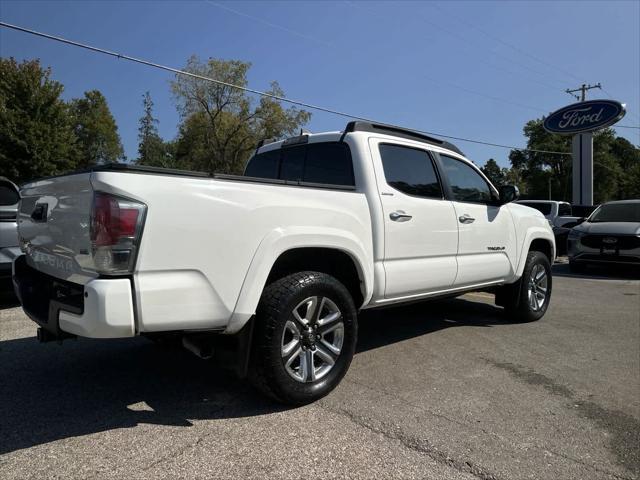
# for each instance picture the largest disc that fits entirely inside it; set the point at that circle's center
(324, 163)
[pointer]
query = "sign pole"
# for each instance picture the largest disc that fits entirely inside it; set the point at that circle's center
(582, 154)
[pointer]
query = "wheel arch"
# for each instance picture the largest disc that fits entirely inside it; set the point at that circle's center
(544, 246)
(540, 240)
(336, 253)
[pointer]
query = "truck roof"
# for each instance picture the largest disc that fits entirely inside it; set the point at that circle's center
(359, 126)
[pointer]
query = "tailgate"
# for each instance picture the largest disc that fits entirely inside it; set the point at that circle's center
(54, 226)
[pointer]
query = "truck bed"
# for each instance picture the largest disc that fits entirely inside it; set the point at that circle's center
(144, 169)
(203, 236)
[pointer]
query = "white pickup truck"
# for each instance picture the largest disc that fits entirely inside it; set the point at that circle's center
(558, 214)
(280, 259)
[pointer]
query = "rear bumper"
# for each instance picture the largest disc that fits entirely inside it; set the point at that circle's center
(103, 308)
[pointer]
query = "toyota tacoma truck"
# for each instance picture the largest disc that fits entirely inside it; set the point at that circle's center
(271, 268)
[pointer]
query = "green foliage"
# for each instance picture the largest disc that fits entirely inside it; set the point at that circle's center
(96, 130)
(36, 134)
(493, 172)
(628, 157)
(616, 165)
(222, 125)
(152, 150)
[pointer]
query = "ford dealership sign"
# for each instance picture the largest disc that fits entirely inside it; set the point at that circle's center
(584, 117)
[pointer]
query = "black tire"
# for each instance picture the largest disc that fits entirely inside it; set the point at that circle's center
(268, 372)
(575, 267)
(515, 298)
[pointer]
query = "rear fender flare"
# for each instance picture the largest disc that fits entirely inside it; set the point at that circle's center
(281, 240)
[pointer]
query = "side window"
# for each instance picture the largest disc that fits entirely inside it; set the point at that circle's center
(292, 163)
(8, 195)
(328, 163)
(264, 165)
(466, 184)
(564, 210)
(410, 170)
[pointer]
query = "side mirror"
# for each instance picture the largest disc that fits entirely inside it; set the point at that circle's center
(581, 220)
(508, 193)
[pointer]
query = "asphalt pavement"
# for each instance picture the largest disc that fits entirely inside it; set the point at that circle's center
(441, 390)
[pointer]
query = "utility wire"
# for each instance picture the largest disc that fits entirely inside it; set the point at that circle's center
(446, 84)
(611, 98)
(507, 44)
(257, 92)
(270, 24)
(463, 40)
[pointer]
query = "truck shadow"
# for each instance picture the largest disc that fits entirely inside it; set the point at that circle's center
(50, 392)
(414, 320)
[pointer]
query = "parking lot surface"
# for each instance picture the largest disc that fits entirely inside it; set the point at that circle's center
(441, 390)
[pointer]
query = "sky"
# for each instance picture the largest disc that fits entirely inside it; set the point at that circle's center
(472, 69)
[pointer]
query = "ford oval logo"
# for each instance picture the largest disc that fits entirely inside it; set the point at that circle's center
(584, 116)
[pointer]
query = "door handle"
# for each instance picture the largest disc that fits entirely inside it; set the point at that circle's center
(399, 216)
(466, 219)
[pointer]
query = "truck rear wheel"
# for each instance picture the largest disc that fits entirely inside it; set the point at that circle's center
(527, 300)
(304, 339)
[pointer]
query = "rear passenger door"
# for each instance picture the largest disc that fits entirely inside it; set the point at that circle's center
(487, 242)
(420, 227)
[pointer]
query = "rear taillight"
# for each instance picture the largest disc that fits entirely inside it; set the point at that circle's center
(116, 227)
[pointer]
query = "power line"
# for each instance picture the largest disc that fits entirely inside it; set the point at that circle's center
(253, 91)
(466, 42)
(480, 94)
(632, 114)
(583, 91)
(270, 24)
(507, 44)
(328, 45)
(515, 48)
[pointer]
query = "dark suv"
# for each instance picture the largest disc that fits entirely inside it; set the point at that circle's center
(9, 249)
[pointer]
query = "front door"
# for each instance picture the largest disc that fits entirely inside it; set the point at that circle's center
(487, 242)
(420, 226)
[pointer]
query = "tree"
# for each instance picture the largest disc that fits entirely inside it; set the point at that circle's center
(539, 170)
(152, 150)
(96, 130)
(628, 156)
(493, 172)
(615, 168)
(221, 125)
(36, 135)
